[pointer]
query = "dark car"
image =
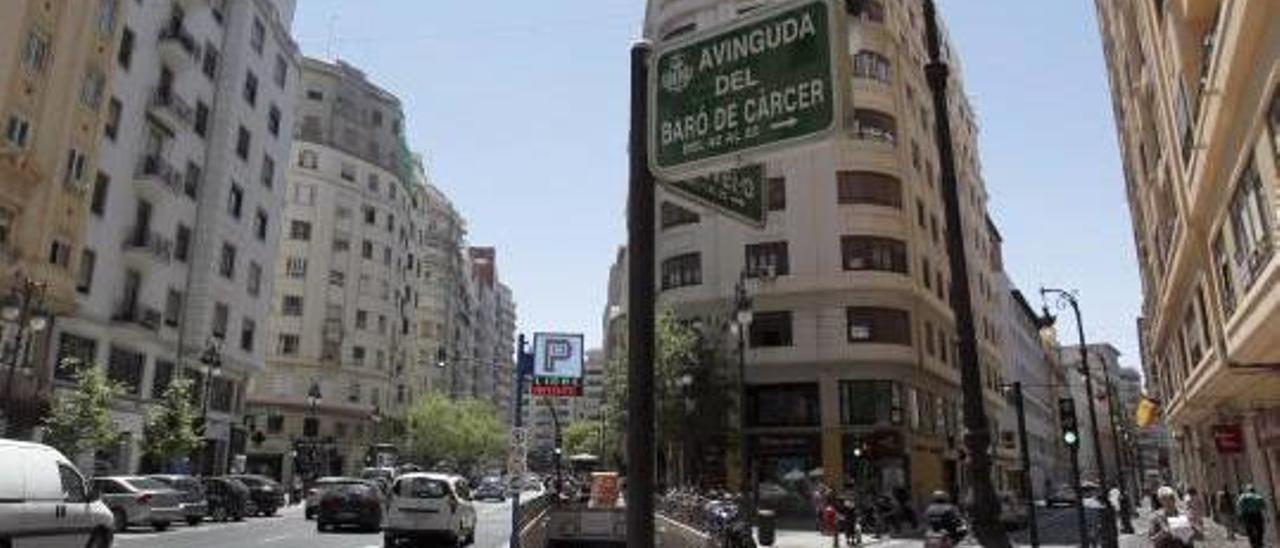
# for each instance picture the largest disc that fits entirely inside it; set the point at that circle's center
(490, 490)
(318, 488)
(228, 498)
(194, 504)
(265, 493)
(357, 504)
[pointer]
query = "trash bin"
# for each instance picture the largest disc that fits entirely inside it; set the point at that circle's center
(766, 525)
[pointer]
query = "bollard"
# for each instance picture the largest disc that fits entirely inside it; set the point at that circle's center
(766, 524)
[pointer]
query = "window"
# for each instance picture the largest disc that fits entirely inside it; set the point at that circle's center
(865, 187)
(775, 189)
(341, 245)
(281, 72)
(866, 403)
(92, 88)
(929, 348)
(74, 170)
(879, 325)
(260, 225)
(125, 56)
(182, 244)
(372, 183)
(291, 305)
(873, 125)
(202, 119)
(921, 217)
(347, 172)
(874, 253)
(247, 329)
(257, 36)
(227, 261)
(770, 329)
(209, 63)
(254, 281)
(17, 131)
(300, 230)
(98, 200)
(84, 278)
(59, 253)
(250, 91)
(125, 367)
(172, 308)
(871, 65)
(242, 143)
(926, 273)
(366, 249)
(673, 215)
(370, 215)
(308, 159)
(870, 10)
(73, 351)
(1273, 123)
(287, 344)
(767, 259)
(295, 267)
(162, 378)
(235, 201)
(1250, 216)
(337, 278)
(783, 405)
(273, 121)
(682, 270)
(357, 355)
(362, 319)
(315, 95)
(111, 128)
(386, 255)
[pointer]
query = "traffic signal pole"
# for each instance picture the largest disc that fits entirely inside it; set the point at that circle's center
(1071, 437)
(517, 421)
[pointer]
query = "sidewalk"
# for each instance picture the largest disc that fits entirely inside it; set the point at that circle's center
(814, 539)
(1215, 535)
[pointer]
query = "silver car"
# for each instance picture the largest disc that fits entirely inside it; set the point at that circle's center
(141, 501)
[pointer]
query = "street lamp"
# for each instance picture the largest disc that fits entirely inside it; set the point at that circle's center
(210, 366)
(1110, 536)
(742, 323)
(25, 307)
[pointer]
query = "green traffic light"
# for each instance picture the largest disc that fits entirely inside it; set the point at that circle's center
(1071, 438)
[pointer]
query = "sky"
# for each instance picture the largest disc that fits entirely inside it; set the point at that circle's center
(520, 109)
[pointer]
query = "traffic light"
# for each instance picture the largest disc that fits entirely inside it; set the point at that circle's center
(1067, 419)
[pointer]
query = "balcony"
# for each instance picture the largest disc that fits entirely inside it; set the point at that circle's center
(178, 48)
(161, 174)
(147, 243)
(170, 108)
(133, 313)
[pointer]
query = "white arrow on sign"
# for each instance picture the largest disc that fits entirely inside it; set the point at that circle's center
(784, 123)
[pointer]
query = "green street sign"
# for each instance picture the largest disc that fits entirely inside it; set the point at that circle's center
(767, 80)
(738, 193)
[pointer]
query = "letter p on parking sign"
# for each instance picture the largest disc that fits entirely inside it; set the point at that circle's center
(558, 361)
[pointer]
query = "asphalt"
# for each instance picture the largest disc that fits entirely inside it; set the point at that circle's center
(289, 529)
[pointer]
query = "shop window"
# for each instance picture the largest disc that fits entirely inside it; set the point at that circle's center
(784, 405)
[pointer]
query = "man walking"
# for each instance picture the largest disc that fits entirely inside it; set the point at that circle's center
(1226, 510)
(1251, 508)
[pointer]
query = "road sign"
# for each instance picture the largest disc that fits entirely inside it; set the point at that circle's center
(767, 80)
(737, 192)
(557, 365)
(1228, 438)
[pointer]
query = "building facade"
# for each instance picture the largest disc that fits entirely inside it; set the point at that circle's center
(183, 215)
(1196, 97)
(851, 369)
(1104, 367)
(56, 59)
(342, 310)
(443, 232)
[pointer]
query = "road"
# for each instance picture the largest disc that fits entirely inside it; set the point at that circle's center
(290, 530)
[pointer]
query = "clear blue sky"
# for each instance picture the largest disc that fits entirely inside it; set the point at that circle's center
(521, 111)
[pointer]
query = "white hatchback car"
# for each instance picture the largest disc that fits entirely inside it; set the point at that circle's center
(44, 501)
(434, 507)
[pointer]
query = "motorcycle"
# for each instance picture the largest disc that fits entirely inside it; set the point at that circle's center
(938, 537)
(728, 524)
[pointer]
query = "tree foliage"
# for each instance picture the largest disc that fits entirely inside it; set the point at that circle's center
(170, 429)
(466, 433)
(80, 421)
(584, 437)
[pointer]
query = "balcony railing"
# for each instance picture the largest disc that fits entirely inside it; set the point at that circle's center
(154, 167)
(149, 242)
(166, 102)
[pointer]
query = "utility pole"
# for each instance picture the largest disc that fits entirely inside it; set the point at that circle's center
(986, 506)
(640, 316)
(1028, 493)
(1071, 437)
(517, 420)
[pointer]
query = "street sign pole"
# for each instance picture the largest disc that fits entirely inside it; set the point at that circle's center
(640, 329)
(517, 420)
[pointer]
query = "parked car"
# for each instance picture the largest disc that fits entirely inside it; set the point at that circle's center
(194, 504)
(428, 506)
(321, 485)
(228, 498)
(136, 500)
(45, 501)
(358, 503)
(265, 493)
(491, 489)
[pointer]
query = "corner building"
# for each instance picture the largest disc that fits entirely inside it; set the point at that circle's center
(851, 367)
(1195, 88)
(342, 309)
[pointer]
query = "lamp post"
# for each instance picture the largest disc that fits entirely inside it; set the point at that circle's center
(24, 306)
(313, 399)
(1033, 530)
(742, 322)
(1110, 536)
(210, 366)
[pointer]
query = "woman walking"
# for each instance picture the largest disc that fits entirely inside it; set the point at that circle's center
(1170, 527)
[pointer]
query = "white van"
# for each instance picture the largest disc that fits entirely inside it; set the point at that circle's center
(45, 502)
(430, 507)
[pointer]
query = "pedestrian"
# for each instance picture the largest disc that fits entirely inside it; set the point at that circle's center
(1170, 527)
(1251, 508)
(1226, 508)
(905, 508)
(1195, 510)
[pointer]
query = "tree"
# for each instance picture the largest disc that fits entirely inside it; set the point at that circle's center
(170, 432)
(583, 437)
(80, 421)
(465, 433)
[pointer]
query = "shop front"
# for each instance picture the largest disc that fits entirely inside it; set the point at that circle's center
(784, 445)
